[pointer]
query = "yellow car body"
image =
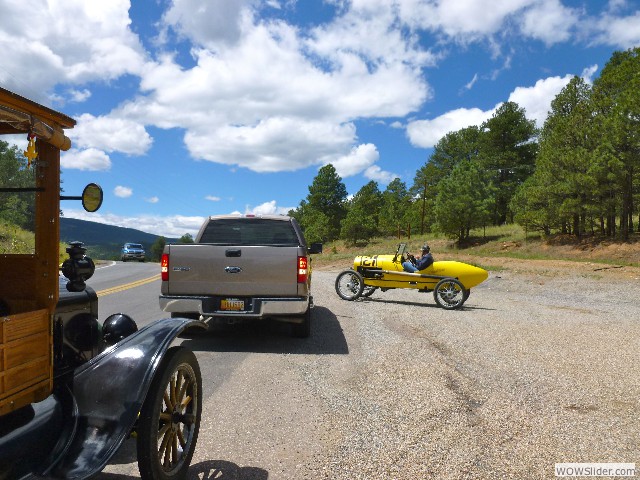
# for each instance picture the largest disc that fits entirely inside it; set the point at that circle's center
(450, 281)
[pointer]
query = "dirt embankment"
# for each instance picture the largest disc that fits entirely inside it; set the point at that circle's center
(563, 255)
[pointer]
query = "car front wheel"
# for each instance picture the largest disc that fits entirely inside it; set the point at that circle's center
(169, 421)
(450, 294)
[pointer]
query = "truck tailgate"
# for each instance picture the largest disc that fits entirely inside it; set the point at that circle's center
(201, 269)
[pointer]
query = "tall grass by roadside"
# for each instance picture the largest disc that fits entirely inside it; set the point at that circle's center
(510, 241)
(17, 241)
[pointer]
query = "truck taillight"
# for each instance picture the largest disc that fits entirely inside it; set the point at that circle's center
(164, 267)
(303, 269)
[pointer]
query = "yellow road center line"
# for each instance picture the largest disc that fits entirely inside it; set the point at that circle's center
(126, 286)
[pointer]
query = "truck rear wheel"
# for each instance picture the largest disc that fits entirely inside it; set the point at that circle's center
(170, 417)
(302, 330)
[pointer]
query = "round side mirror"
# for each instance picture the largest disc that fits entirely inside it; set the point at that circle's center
(92, 197)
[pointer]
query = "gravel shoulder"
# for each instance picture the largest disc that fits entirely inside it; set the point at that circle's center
(541, 365)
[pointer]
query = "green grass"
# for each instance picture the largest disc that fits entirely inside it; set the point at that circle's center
(14, 240)
(508, 241)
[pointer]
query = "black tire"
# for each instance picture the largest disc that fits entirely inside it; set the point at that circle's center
(367, 291)
(302, 330)
(169, 421)
(466, 294)
(450, 294)
(349, 285)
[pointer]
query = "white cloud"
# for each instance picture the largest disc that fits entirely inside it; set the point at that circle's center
(374, 172)
(173, 226)
(79, 96)
(122, 192)
(111, 133)
(276, 100)
(152, 199)
(619, 31)
(426, 133)
(272, 145)
(358, 160)
(208, 22)
(268, 95)
(90, 159)
(212, 198)
(537, 100)
(464, 20)
(65, 41)
(588, 73)
(549, 21)
(367, 30)
(268, 208)
(471, 82)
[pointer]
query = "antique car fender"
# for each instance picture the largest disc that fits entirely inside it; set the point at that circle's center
(108, 393)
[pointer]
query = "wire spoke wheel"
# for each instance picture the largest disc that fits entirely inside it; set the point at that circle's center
(349, 285)
(170, 417)
(450, 294)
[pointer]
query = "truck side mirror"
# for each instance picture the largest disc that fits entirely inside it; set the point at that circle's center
(315, 248)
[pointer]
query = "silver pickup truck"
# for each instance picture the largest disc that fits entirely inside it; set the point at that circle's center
(241, 267)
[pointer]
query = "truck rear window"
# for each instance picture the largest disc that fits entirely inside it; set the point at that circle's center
(261, 232)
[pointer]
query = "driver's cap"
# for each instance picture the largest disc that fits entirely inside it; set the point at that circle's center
(426, 248)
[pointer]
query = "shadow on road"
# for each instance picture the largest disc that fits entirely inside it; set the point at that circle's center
(209, 470)
(222, 470)
(270, 336)
(466, 306)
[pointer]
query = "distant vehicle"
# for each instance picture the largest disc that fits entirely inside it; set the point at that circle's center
(450, 281)
(132, 251)
(241, 267)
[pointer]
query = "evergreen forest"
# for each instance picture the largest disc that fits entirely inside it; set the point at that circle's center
(578, 175)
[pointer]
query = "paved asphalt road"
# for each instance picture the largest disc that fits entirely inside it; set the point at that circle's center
(537, 368)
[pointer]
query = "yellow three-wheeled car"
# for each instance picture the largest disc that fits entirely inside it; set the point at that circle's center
(450, 281)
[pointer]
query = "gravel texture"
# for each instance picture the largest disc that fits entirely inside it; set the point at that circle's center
(541, 365)
(538, 367)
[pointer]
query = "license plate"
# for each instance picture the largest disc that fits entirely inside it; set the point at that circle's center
(232, 304)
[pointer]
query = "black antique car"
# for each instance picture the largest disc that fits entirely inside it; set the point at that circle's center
(72, 389)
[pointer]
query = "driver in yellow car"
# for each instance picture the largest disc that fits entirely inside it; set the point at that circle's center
(413, 264)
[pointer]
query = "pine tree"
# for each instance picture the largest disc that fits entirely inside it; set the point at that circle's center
(507, 152)
(324, 209)
(361, 222)
(396, 203)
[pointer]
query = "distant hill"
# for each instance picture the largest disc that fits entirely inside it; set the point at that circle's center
(104, 241)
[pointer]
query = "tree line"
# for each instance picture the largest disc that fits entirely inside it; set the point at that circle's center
(579, 174)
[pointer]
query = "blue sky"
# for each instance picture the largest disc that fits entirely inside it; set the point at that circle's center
(188, 108)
